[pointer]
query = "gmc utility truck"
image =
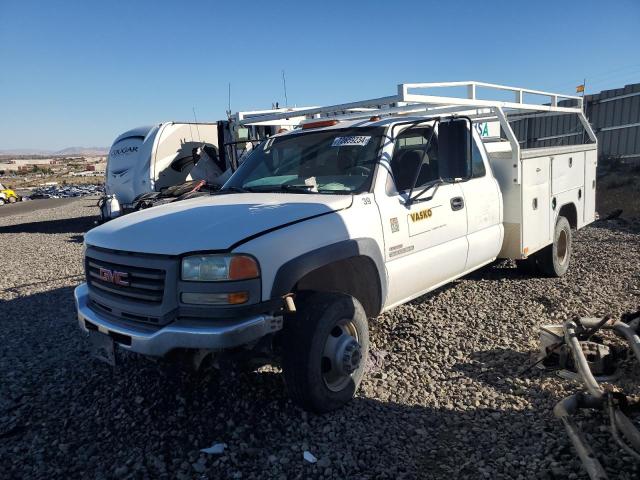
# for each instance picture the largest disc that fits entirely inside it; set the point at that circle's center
(367, 206)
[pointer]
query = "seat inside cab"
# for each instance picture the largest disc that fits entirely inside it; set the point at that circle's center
(409, 154)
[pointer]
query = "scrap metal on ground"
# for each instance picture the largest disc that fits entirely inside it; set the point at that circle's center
(582, 354)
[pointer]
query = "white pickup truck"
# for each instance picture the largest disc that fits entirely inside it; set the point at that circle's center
(366, 206)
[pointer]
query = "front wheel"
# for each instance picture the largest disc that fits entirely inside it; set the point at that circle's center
(1, 201)
(325, 347)
(554, 260)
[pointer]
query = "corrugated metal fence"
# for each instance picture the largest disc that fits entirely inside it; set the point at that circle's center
(613, 114)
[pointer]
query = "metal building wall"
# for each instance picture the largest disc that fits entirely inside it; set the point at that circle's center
(616, 108)
(614, 115)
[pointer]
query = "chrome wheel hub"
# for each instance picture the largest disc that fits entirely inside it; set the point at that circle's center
(341, 356)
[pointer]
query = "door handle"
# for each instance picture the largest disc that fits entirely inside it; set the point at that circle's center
(457, 203)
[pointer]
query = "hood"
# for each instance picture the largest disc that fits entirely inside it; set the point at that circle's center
(214, 222)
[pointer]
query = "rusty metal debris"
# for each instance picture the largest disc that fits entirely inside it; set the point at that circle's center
(576, 350)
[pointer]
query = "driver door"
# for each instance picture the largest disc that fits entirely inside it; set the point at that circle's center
(425, 242)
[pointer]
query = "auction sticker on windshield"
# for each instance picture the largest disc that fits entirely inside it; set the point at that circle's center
(353, 141)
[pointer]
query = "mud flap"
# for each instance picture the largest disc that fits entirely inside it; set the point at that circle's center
(102, 347)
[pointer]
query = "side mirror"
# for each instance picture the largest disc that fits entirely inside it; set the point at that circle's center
(454, 148)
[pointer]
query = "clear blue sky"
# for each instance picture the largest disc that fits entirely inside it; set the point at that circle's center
(81, 72)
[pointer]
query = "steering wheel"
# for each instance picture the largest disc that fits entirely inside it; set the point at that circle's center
(364, 171)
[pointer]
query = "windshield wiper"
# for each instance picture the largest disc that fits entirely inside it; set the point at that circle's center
(332, 191)
(288, 187)
(233, 189)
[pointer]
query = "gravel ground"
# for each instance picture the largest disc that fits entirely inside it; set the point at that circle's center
(446, 399)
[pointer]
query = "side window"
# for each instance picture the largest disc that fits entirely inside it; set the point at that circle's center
(477, 164)
(409, 155)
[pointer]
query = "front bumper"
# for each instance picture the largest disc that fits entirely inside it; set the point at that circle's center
(219, 335)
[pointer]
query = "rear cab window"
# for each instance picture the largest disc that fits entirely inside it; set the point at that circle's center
(478, 168)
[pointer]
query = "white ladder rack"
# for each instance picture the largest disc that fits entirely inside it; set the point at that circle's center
(420, 104)
(405, 102)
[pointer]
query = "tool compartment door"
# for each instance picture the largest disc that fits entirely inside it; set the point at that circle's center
(536, 206)
(567, 172)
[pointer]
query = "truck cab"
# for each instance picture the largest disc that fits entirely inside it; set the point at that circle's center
(321, 228)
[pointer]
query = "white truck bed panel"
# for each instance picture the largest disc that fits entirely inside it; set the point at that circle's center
(590, 165)
(535, 205)
(566, 174)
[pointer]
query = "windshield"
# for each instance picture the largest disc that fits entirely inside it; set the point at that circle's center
(328, 161)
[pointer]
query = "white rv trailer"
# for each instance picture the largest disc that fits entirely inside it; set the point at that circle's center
(151, 158)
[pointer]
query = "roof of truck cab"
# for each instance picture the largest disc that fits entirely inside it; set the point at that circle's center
(358, 123)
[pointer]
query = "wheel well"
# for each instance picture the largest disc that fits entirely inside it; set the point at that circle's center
(570, 213)
(355, 276)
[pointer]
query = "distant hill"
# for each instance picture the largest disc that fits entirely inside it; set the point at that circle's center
(85, 151)
(25, 151)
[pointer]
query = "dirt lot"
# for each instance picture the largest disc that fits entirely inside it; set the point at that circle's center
(446, 399)
(23, 208)
(620, 190)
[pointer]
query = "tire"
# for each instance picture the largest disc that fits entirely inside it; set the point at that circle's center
(12, 200)
(555, 259)
(327, 326)
(1, 201)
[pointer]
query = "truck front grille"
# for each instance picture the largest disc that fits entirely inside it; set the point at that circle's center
(125, 281)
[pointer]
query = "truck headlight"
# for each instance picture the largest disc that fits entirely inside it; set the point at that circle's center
(219, 268)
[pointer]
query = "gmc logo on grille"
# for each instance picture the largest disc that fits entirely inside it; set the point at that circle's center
(112, 276)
